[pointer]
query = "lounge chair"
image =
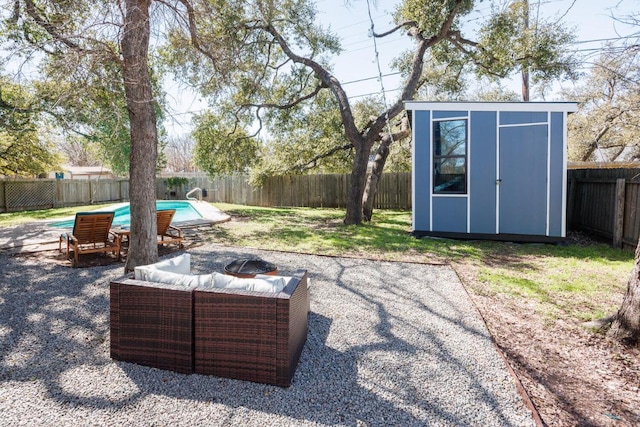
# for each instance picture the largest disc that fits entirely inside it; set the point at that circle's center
(168, 233)
(91, 234)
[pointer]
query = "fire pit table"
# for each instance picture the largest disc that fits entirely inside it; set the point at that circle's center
(249, 267)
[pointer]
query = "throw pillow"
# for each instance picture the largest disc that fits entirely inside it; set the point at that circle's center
(188, 281)
(180, 264)
(266, 283)
(220, 280)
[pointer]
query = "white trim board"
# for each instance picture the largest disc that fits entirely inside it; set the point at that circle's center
(545, 107)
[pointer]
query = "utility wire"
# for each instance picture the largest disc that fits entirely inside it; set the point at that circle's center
(371, 78)
(384, 96)
(585, 50)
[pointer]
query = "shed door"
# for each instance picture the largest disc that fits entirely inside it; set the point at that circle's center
(522, 181)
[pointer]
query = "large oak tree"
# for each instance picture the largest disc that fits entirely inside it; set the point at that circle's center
(267, 58)
(101, 36)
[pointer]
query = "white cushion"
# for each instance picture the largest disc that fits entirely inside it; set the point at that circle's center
(220, 280)
(273, 284)
(268, 283)
(186, 280)
(263, 284)
(285, 279)
(180, 264)
(240, 283)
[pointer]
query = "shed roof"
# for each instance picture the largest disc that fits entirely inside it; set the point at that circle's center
(568, 107)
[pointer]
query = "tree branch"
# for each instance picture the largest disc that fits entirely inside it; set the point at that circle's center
(396, 28)
(593, 146)
(328, 81)
(193, 29)
(312, 163)
(417, 67)
(4, 105)
(291, 103)
(48, 27)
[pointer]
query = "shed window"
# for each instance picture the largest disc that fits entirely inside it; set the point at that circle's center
(450, 157)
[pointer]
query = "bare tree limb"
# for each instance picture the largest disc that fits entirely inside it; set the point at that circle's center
(314, 161)
(401, 26)
(290, 104)
(328, 81)
(593, 146)
(49, 28)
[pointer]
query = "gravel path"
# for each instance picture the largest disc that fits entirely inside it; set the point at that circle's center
(389, 344)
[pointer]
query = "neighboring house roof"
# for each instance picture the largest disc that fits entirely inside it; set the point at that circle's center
(86, 170)
(82, 172)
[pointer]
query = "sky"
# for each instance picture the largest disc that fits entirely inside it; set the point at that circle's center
(357, 69)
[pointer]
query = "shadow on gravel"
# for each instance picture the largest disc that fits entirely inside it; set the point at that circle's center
(388, 344)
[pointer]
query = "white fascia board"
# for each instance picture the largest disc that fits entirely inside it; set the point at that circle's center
(561, 107)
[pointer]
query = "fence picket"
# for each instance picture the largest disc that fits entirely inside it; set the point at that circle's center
(322, 190)
(591, 195)
(593, 199)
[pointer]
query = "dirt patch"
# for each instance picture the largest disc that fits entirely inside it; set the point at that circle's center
(100, 259)
(574, 376)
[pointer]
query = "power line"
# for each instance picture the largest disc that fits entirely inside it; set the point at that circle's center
(384, 96)
(374, 93)
(360, 41)
(371, 78)
(585, 50)
(633, 36)
(611, 49)
(619, 38)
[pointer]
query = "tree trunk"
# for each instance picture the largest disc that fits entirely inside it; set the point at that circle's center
(356, 187)
(378, 166)
(143, 247)
(626, 323)
(374, 177)
(525, 68)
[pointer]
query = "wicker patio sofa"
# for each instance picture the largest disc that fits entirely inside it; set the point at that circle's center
(196, 328)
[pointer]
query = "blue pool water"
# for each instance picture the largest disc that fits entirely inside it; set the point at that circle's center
(184, 212)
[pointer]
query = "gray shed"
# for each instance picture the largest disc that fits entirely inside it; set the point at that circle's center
(490, 170)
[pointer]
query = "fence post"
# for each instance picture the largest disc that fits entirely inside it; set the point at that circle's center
(618, 213)
(571, 203)
(4, 198)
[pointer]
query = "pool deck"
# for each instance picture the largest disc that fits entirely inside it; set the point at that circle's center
(39, 236)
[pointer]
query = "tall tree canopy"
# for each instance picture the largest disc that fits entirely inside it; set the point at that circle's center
(78, 66)
(269, 60)
(605, 128)
(96, 54)
(22, 150)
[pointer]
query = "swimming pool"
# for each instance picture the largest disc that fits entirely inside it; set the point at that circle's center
(185, 211)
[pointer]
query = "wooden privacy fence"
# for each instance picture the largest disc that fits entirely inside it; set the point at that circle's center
(605, 202)
(19, 195)
(326, 190)
(330, 190)
(601, 201)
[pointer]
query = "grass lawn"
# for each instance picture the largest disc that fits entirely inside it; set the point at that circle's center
(582, 282)
(8, 219)
(579, 282)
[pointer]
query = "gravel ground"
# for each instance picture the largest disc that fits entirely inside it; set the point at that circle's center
(389, 344)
